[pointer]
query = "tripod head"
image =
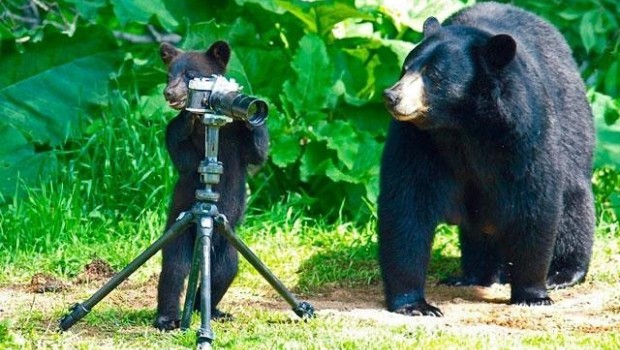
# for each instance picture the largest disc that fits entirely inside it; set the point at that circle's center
(217, 100)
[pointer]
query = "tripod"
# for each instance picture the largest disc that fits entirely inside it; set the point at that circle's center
(205, 215)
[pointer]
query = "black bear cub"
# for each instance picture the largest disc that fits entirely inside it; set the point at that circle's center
(240, 144)
(491, 132)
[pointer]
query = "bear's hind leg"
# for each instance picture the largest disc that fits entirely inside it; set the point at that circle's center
(527, 248)
(223, 272)
(573, 246)
(480, 260)
(176, 263)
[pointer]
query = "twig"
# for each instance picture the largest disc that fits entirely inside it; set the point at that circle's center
(147, 39)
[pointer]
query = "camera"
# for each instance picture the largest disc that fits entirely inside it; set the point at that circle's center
(216, 94)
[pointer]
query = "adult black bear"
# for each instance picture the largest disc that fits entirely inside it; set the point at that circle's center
(240, 144)
(493, 133)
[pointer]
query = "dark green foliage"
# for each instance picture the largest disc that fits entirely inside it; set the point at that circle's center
(322, 66)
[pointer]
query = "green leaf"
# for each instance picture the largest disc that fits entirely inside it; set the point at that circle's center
(352, 73)
(141, 11)
(387, 69)
(570, 14)
(372, 118)
(612, 79)
(5, 34)
(340, 137)
(400, 48)
(338, 175)
(607, 146)
(606, 112)
(88, 9)
(19, 163)
(247, 63)
(310, 90)
(366, 166)
(285, 149)
(46, 89)
(412, 14)
(315, 161)
(200, 36)
(586, 30)
(317, 16)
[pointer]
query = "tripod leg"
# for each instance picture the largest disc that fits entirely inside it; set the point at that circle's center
(192, 285)
(203, 235)
(302, 309)
(80, 310)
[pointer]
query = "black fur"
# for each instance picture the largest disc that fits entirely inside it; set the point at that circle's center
(503, 148)
(239, 145)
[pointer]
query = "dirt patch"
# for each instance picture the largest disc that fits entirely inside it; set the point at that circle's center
(589, 308)
(42, 283)
(96, 270)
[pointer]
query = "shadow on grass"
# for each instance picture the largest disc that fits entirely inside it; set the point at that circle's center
(343, 266)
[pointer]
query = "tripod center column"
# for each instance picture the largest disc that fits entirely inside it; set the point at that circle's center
(210, 168)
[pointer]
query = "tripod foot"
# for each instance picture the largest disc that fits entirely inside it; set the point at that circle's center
(204, 338)
(76, 312)
(304, 309)
(204, 345)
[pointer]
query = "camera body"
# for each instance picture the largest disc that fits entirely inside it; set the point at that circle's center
(216, 94)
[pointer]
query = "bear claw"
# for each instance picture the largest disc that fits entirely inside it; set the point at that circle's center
(421, 308)
(533, 302)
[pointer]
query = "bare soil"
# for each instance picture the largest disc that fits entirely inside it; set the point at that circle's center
(592, 307)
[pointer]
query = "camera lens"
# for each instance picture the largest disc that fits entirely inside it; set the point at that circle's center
(249, 108)
(257, 112)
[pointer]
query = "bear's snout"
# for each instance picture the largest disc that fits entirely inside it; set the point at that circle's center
(390, 97)
(176, 94)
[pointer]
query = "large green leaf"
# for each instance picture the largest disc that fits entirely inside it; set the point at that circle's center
(141, 11)
(45, 91)
(586, 30)
(19, 161)
(318, 16)
(607, 136)
(314, 161)
(285, 149)
(342, 138)
(88, 9)
(412, 14)
(311, 88)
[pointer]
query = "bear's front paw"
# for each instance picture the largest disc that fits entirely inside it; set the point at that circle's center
(164, 323)
(532, 301)
(420, 308)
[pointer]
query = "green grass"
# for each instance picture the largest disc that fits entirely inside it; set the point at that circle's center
(310, 257)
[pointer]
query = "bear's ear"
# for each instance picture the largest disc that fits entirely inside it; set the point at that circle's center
(168, 52)
(499, 50)
(219, 52)
(431, 26)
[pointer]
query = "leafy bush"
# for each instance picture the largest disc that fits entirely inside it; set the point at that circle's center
(322, 65)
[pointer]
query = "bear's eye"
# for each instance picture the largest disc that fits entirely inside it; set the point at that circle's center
(190, 75)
